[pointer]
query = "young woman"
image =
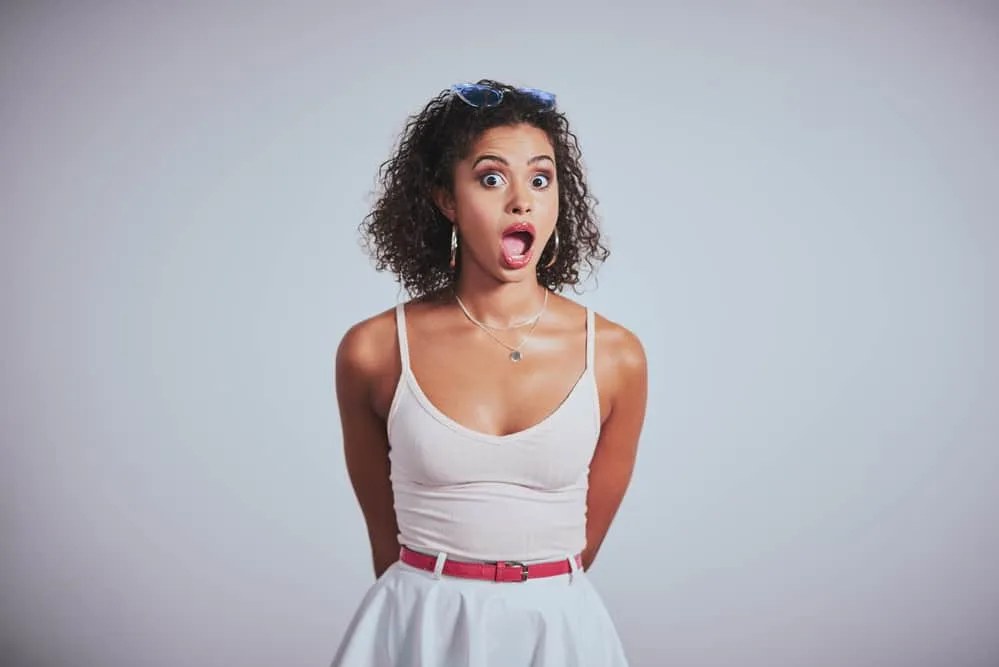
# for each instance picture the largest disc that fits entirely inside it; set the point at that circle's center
(490, 425)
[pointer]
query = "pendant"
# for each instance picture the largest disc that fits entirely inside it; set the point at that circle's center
(515, 355)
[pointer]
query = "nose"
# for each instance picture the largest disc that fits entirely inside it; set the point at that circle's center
(520, 200)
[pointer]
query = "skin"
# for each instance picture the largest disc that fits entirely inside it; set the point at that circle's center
(464, 372)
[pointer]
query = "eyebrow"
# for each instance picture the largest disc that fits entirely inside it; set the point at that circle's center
(491, 156)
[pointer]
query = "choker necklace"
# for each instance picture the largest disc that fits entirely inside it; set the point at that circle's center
(515, 353)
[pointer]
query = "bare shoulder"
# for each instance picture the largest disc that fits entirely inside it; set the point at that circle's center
(620, 366)
(619, 348)
(361, 359)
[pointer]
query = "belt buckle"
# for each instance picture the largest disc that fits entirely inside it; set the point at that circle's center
(513, 564)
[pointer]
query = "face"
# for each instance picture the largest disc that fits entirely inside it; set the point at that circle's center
(504, 202)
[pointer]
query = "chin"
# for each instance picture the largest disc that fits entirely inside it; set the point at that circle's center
(503, 275)
(519, 276)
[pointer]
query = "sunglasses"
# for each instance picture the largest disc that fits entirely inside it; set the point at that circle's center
(482, 96)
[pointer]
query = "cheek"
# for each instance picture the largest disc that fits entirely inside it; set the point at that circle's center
(550, 202)
(474, 206)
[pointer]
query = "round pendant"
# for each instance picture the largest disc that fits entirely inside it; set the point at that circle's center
(515, 355)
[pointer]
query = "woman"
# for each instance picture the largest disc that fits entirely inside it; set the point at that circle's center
(490, 425)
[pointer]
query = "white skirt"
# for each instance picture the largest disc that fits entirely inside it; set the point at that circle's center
(411, 618)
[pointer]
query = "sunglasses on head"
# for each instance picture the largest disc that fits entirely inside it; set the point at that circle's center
(482, 96)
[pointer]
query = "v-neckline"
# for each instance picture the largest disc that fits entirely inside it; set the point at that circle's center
(409, 377)
(443, 417)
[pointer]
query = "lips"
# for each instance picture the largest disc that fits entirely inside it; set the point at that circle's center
(516, 244)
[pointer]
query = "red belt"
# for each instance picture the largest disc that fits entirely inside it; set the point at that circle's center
(507, 571)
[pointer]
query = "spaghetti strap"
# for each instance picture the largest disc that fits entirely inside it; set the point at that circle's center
(590, 338)
(400, 326)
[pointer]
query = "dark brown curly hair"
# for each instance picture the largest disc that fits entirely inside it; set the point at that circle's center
(407, 234)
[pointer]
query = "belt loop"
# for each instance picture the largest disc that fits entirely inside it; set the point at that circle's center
(573, 568)
(439, 566)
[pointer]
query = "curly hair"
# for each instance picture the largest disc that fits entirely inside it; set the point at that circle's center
(407, 234)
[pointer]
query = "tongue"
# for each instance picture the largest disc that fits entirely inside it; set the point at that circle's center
(514, 245)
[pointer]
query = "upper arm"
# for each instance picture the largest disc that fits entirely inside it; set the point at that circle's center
(617, 448)
(365, 441)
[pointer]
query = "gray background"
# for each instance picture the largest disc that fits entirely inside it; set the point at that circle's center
(801, 205)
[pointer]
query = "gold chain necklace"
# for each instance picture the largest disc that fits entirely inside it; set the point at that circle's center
(515, 353)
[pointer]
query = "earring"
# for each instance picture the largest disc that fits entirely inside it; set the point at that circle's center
(454, 246)
(551, 260)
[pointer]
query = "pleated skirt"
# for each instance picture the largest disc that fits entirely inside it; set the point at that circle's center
(411, 618)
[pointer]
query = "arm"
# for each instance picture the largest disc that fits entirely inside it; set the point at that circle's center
(616, 451)
(365, 444)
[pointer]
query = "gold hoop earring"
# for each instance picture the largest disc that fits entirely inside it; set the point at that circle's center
(551, 261)
(454, 246)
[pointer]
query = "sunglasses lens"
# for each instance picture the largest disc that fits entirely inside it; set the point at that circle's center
(478, 96)
(544, 99)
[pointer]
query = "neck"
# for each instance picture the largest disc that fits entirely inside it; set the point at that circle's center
(498, 304)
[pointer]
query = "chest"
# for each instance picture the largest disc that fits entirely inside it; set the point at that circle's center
(550, 453)
(475, 382)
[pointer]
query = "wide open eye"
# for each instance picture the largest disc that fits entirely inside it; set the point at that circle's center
(540, 181)
(492, 180)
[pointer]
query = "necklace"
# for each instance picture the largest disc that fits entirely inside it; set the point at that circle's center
(515, 353)
(516, 325)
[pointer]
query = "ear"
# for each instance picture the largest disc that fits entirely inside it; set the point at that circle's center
(445, 203)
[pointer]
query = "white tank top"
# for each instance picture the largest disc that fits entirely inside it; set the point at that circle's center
(480, 496)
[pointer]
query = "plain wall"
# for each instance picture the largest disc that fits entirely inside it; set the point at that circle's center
(801, 203)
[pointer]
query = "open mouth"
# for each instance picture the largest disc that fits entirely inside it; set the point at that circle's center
(517, 240)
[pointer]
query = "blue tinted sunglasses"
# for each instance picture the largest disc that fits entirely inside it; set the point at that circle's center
(482, 96)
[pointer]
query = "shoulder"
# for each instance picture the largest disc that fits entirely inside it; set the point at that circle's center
(620, 363)
(618, 350)
(361, 351)
(618, 346)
